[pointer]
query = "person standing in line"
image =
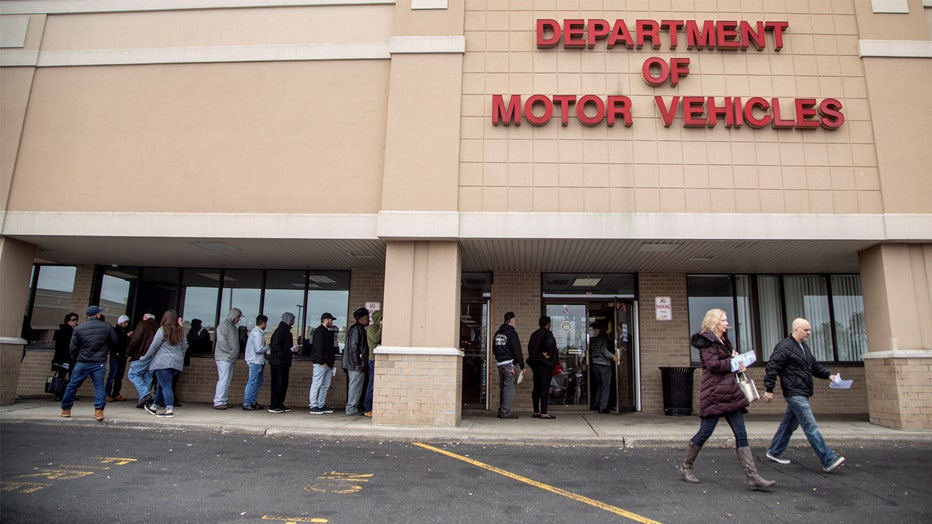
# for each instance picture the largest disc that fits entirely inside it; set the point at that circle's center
(542, 357)
(356, 361)
(225, 353)
(602, 357)
(165, 357)
(62, 363)
(255, 359)
(281, 351)
(139, 343)
(198, 338)
(508, 357)
(323, 355)
(720, 396)
(793, 362)
(118, 360)
(90, 345)
(374, 334)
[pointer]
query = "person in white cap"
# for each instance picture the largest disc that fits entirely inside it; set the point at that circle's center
(118, 360)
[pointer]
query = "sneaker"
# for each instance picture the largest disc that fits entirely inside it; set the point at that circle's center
(777, 458)
(220, 406)
(286, 409)
(327, 410)
(167, 414)
(258, 406)
(251, 407)
(65, 413)
(315, 411)
(99, 416)
(834, 465)
(144, 400)
(276, 410)
(150, 409)
(510, 417)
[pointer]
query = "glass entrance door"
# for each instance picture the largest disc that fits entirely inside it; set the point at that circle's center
(569, 323)
(625, 336)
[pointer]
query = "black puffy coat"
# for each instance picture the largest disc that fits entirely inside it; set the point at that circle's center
(795, 367)
(718, 391)
(92, 341)
(63, 346)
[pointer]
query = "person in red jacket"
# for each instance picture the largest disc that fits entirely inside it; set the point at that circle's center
(720, 396)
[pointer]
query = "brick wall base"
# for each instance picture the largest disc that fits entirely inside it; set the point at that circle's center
(900, 388)
(418, 386)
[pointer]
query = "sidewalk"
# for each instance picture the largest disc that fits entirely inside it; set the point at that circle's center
(569, 429)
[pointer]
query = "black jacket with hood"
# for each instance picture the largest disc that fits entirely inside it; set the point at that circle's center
(509, 347)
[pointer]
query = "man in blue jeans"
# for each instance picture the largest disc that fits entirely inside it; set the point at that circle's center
(90, 346)
(794, 363)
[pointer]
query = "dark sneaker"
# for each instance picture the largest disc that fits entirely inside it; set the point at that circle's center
(315, 411)
(220, 406)
(167, 414)
(276, 410)
(777, 458)
(511, 417)
(150, 409)
(327, 410)
(258, 406)
(144, 400)
(286, 409)
(251, 407)
(834, 465)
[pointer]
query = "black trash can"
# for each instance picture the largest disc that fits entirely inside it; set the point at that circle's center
(677, 390)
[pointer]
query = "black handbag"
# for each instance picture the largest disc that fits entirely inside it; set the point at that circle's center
(55, 384)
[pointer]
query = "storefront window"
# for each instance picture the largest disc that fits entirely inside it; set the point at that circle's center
(52, 300)
(328, 292)
(848, 306)
(199, 289)
(158, 290)
(707, 292)
(115, 293)
(242, 288)
(806, 297)
(770, 313)
(284, 292)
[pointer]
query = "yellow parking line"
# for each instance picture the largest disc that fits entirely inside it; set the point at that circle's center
(541, 485)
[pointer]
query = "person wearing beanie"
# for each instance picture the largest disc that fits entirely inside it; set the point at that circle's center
(90, 344)
(118, 360)
(356, 361)
(281, 351)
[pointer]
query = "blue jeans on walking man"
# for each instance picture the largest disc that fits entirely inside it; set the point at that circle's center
(96, 370)
(798, 413)
(255, 381)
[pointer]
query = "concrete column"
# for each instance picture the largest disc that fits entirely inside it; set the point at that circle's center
(419, 367)
(15, 264)
(897, 290)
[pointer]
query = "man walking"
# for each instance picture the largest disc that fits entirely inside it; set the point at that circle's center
(255, 359)
(139, 343)
(793, 362)
(356, 361)
(323, 356)
(281, 350)
(90, 346)
(225, 353)
(508, 357)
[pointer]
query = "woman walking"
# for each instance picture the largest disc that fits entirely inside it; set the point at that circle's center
(166, 359)
(720, 396)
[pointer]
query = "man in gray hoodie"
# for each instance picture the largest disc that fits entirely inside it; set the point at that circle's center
(225, 353)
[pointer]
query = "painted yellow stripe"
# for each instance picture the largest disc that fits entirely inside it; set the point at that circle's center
(553, 489)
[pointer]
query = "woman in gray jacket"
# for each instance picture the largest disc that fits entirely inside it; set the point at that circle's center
(166, 359)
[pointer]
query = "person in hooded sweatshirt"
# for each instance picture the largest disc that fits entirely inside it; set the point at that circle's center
(225, 353)
(281, 351)
(508, 358)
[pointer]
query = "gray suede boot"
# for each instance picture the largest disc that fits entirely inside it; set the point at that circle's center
(755, 481)
(686, 468)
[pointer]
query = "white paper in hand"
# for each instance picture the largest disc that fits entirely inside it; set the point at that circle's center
(838, 383)
(748, 358)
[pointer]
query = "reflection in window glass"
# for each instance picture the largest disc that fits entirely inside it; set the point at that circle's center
(54, 294)
(770, 310)
(242, 289)
(807, 297)
(848, 305)
(199, 289)
(158, 290)
(285, 293)
(336, 303)
(706, 292)
(114, 294)
(743, 323)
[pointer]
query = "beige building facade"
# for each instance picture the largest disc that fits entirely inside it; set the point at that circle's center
(447, 161)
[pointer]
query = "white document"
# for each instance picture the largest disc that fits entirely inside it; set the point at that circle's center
(838, 383)
(748, 358)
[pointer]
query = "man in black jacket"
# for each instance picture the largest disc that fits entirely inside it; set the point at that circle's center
(90, 346)
(281, 349)
(507, 350)
(794, 363)
(323, 355)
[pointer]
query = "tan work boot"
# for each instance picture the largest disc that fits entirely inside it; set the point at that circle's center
(65, 413)
(99, 414)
